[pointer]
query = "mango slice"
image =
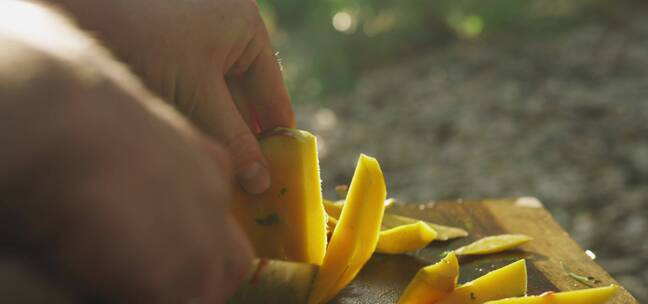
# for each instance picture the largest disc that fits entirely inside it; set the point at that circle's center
(508, 281)
(494, 244)
(405, 238)
(331, 222)
(356, 233)
(584, 296)
(444, 233)
(330, 226)
(433, 282)
(287, 222)
(334, 208)
(273, 281)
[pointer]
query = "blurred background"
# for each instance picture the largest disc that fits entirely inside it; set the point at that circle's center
(479, 99)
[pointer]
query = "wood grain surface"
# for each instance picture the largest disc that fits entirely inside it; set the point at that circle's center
(385, 276)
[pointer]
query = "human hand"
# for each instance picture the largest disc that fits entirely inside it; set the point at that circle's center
(143, 213)
(102, 180)
(212, 59)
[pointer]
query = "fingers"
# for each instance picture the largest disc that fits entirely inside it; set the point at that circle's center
(265, 90)
(218, 155)
(261, 83)
(217, 115)
(245, 108)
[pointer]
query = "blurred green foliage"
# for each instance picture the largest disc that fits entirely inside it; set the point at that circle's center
(320, 59)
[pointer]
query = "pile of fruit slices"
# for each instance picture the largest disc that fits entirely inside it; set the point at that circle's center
(437, 283)
(292, 222)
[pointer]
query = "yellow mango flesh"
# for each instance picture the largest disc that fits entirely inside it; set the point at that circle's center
(333, 209)
(405, 238)
(433, 282)
(356, 233)
(330, 226)
(585, 296)
(444, 233)
(494, 244)
(508, 281)
(287, 222)
(331, 222)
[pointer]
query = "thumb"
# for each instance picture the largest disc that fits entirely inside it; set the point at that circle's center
(216, 114)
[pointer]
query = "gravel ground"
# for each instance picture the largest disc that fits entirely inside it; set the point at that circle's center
(563, 118)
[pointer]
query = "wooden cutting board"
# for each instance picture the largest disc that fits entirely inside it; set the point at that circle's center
(385, 276)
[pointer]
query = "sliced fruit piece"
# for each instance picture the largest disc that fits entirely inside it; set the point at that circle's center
(584, 296)
(444, 233)
(334, 208)
(494, 244)
(508, 281)
(273, 281)
(356, 233)
(405, 238)
(331, 222)
(287, 222)
(333, 211)
(330, 226)
(433, 282)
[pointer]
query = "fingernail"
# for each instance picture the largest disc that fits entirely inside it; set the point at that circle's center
(254, 178)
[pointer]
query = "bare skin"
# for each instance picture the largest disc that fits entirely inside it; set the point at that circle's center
(124, 196)
(211, 59)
